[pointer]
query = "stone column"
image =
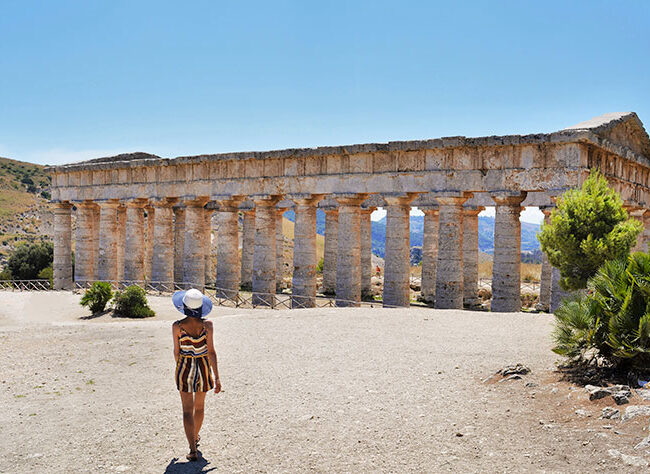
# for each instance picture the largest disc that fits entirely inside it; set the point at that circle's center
(210, 269)
(228, 277)
(108, 235)
(557, 292)
(264, 255)
(194, 244)
(449, 271)
(638, 214)
(248, 247)
(397, 271)
(547, 271)
(121, 241)
(86, 243)
(162, 271)
(279, 250)
(148, 243)
(304, 252)
(429, 253)
(506, 268)
(470, 256)
(179, 242)
(366, 252)
(348, 264)
(134, 248)
(62, 264)
(330, 251)
(645, 235)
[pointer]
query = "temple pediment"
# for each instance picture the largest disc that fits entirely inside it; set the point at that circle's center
(622, 128)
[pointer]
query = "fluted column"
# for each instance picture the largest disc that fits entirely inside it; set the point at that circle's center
(506, 268)
(86, 243)
(210, 270)
(470, 256)
(134, 248)
(638, 214)
(330, 251)
(366, 252)
(163, 244)
(62, 264)
(547, 271)
(248, 247)
(148, 243)
(304, 252)
(279, 249)
(264, 260)
(121, 241)
(429, 253)
(557, 292)
(449, 271)
(645, 235)
(397, 271)
(228, 277)
(348, 264)
(108, 236)
(194, 243)
(179, 242)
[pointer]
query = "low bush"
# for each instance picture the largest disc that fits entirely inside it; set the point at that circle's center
(611, 321)
(97, 296)
(132, 303)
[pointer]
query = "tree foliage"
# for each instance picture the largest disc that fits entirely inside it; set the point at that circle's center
(97, 296)
(27, 260)
(132, 303)
(612, 320)
(588, 227)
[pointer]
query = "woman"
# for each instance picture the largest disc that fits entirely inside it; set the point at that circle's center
(195, 360)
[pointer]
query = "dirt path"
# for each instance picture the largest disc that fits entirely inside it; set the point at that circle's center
(325, 390)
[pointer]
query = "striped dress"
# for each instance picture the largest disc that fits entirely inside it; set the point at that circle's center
(193, 367)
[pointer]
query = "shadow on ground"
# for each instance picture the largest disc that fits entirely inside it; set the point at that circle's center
(177, 466)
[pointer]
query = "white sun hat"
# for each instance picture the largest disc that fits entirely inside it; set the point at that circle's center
(193, 300)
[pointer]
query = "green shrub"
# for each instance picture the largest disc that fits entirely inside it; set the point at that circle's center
(588, 227)
(612, 319)
(47, 274)
(132, 303)
(319, 267)
(5, 274)
(97, 296)
(27, 260)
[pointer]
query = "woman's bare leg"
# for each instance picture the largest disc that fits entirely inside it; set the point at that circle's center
(199, 400)
(187, 399)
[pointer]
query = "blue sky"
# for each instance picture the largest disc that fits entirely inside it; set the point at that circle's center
(81, 79)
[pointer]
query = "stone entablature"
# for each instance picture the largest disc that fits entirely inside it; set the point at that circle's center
(451, 179)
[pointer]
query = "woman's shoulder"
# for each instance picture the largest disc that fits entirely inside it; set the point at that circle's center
(207, 324)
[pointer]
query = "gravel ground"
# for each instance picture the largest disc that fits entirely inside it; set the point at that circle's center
(324, 390)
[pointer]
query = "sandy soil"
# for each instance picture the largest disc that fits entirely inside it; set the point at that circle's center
(325, 390)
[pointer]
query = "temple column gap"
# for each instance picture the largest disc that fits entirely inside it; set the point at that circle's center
(62, 264)
(108, 235)
(397, 270)
(429, 253)
(348, 264)
(304, 251)
(366, 252)
(134, 246)
(228, 279)
(449, 271)
(470, 256)
(194, 243)
(264, 255)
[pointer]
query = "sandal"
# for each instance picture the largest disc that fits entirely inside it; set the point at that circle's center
(198, 438)
(193, 456)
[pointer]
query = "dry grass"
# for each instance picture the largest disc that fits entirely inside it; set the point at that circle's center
(529, 271)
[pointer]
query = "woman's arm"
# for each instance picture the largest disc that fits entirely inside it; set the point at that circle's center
(212, 356)
(176, 332)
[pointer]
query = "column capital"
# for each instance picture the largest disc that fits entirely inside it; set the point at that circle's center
(508, 198)
(305, 199)
(136, 203)
(429, 209)
(164, 202)
(265, 200)
(331, 211)
(452, 200)
(350, 199)
(226, 203)
(87, 204)
(194, 201)
(472, 210)
(399, 199)
(109, 203)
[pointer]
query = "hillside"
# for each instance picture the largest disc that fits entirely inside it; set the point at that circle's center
(24, 194)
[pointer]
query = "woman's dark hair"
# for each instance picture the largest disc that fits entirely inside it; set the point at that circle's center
(193, 313)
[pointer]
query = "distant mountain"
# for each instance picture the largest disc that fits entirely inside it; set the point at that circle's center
(529, 231)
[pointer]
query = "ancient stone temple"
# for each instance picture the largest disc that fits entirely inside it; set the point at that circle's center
(142, 217)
